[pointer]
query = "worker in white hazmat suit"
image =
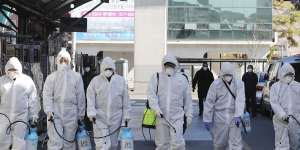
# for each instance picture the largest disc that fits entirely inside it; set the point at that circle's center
(64, 103)
(171, 101)
(107, 105)
(284, 96)
(19, 102)
(223, 110)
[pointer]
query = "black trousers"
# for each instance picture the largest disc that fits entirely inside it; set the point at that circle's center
(201, 100)
(251, 104)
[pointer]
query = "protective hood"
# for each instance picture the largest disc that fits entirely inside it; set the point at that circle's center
(13, 63)
(63, 54)
(107, 62)
(227, 68)
(171, 59)
(284, 70)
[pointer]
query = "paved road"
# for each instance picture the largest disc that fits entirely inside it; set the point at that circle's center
(261, 137)
(197, 138)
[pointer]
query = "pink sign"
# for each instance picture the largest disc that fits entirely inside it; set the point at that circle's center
(110, 14)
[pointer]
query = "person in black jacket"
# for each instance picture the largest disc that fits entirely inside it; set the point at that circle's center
(88, 75)
(250, 79)
(203, 78)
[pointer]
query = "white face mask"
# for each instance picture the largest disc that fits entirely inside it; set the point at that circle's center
(170, 71)
(228, 78)
(12, 74)
(62, 67)
(288, 79)
(108, 73)
(250, 70)
(87, 69)
(205, 68)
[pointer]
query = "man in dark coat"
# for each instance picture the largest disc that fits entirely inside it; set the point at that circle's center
(250, 79)
(88, 75)
(203, 79)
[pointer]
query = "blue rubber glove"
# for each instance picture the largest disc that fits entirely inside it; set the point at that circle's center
(207, 125)
(237, 121)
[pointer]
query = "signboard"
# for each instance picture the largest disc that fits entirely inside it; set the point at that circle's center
(112, 21)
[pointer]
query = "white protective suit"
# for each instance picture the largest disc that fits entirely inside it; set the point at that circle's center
(63, 95)
(220, 108)
(108, 103)
(285, 101)
(173, 101)
(19, 102)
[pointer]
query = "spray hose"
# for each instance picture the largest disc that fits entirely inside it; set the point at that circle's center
(291, 116)
(61, 136)
(170, 125)
(6, 117)
(8, 129)
(109, 134)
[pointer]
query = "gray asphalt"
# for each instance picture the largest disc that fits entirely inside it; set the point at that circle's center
(197, 138)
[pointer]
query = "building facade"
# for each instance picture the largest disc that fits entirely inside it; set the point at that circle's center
(143, 31)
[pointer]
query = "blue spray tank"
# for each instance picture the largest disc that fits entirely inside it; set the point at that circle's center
(247, 122)
(126, 138)
(31, 139)
(83, 138)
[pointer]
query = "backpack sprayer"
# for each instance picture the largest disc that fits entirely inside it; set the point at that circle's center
(109, 134)
(83, 136)
(31, 136)
(126, 136)
(149, 117)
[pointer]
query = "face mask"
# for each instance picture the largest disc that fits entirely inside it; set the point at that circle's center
(12, 74)
(288, 79)
(108, 73)
(205, 68)
(87, 69)
(228, 78)
(170, 71)
(62, 67)
(250, 70)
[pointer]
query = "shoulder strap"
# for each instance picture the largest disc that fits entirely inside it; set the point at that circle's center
(147, 103)
(157, 76)
(229, 89)
(185, 76)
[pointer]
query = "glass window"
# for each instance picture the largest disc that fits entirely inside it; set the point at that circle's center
(196, 2)
(176, 3)
(264, 15)
(263, 35)
(264, 3)
(238, 35)
(226, 35)
(181, 34)
(214, 34)
(176, 14)
(220, 19)
(226, 26)
(176, 26)
(221, 3)
(239, 26)
(203, 35)
(202, 26)
(244, 3)
(197, 14)
(214, 26)
(174, 34)
(214, 16)
(263, 26)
